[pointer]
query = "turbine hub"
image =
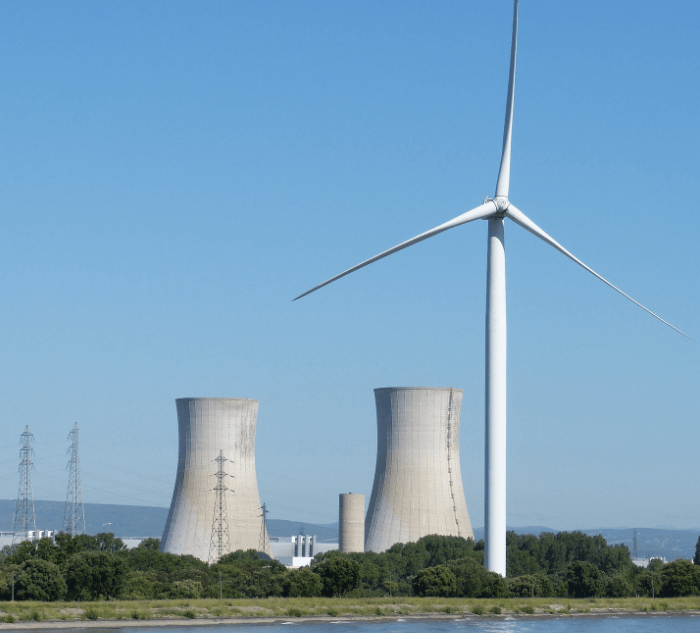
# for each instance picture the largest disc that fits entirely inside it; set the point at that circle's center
(501, 203)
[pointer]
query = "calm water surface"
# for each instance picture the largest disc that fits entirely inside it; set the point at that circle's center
(642, 624)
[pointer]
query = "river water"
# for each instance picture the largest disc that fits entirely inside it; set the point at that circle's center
(610, 624)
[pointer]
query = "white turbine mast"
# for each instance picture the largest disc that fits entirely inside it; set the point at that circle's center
(495, 210)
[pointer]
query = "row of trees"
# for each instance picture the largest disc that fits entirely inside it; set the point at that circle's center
(565, 564)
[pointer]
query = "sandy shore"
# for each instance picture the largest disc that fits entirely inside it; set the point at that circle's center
(172, 622)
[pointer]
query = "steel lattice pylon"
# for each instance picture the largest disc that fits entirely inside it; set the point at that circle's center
(264, 538)
(74, 514)
(219, 529)
(24, 519)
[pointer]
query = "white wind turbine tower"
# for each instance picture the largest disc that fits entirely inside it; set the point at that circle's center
(495, 210)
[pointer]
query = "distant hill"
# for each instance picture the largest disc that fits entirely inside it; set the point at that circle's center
(121, 520)
(140, 520)
(150, 521)
(326, 533)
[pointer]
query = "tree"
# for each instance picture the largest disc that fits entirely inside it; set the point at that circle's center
(302, 583)
(340, 575)
(530, 586)
(584, 580)
(435, 581)
(39, 580)
(151, 574)
(441, 549)
(107, 542)
(94, 575)
(619, 586)
(473, 581)
(648, 582)
(680, 578)
(494, 586)
(24, 551)
(696, 559)
(150, 543)
(243, 574)
(522, 554)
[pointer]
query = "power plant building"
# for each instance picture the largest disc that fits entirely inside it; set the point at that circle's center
(215, 503)
(351, 527)
(299, 551)
(417, 487)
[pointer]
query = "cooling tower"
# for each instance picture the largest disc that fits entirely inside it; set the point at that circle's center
(208, 426)
(352, 523)
(418, 481)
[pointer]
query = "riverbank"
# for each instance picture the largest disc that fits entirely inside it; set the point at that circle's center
(119, 614)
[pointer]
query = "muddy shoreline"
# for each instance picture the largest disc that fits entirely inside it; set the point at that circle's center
(262, 620)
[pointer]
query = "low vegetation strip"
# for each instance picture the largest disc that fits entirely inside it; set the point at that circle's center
(290, 608)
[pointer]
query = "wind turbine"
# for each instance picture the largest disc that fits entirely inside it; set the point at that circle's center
(495, 210)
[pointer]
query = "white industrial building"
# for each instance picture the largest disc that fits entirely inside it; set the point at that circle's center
(299, 550)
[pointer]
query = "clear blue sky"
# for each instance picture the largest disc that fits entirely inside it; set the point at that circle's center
(173, 173)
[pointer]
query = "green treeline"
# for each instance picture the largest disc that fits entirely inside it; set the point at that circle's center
(567, 564)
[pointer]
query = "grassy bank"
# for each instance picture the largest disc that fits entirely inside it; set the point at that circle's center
(11, 612)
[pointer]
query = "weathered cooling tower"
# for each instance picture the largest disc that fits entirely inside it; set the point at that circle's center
(418, 481)
(197, 523)
(352, 523)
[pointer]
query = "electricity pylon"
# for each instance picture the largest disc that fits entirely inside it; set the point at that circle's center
(219, 530)
(264, 538)
(24, 519)
(74, 514)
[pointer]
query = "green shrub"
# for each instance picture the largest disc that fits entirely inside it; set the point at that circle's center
(190, 614)
(333, 612)
(8, 618)
(477, 609)
(91, 613)
(295, 613)
(527, 609)
(495, 609)
(186, 589)
(36, 615)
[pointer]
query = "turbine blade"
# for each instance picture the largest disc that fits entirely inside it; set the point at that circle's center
(503, 184)
(521, 219)
(482, 211)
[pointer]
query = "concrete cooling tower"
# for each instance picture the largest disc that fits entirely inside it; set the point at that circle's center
(203, 521)
(351, 526)
(418, 481)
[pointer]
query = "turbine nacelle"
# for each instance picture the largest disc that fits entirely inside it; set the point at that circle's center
(501, 203)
